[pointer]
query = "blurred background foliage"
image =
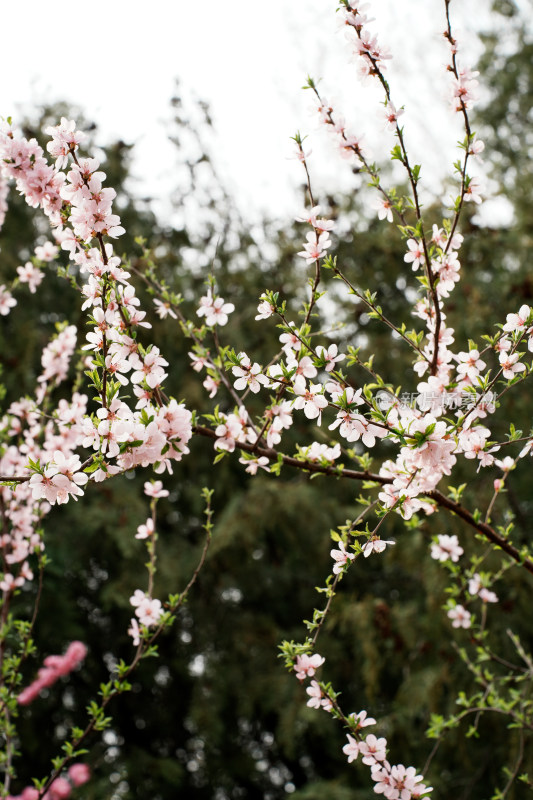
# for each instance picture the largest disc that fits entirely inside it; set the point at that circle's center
(215, 717)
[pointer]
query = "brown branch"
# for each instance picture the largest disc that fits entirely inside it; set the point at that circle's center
(358, 475)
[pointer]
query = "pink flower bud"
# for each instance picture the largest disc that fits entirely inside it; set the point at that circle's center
(60, 789)
(29, 793)
(79, 774)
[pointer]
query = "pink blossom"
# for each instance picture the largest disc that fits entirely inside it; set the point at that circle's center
(145, 531)
(54, 667)
(291, 340)
(312, 401)
(215, 311)
(415, 254)
(211, 384)
(315, 695)
(470, 365)
(362, 720)
(487, 596)
(155, 489)
(330, 356)
(31, 275)
(147, 609)
(306, 665)
(317, 698)
(253, 464)
(316, 246)
(373, 749)
(79, 774)
(65, 139)
(391, 115)
(135, 632)
(321, 452)
(460, 617)
(351, 749)
(248, 375)
(446, 547)
(60, 789)
(517, 322)
(510, 365)
(473, 191)
(384, 208)
(341, 557)
(164, 309)
(265, 309)
(46, 252)
(375, 545)
(7, 301)
(29, 793)
(403, 783)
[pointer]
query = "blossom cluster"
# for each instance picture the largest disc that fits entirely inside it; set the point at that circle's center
(395, 782)
(80, 211)
(54, 668)
(447, 549)
(60, 788)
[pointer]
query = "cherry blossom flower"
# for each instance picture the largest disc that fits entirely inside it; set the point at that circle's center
(135, 632)
(487, 596)
(384, 208)
(351, 749)
(164, 309)
(341, 557)
(265, 309)
(215, 311)
(415, 254)
(147, 609)
(31, 275)
(403, 781)
(517, 322)
(7, 301)
(330, 356)
(373, 749)
(290, 341)
(317, 698)
(460, 617)
(475, 587)
(464, 86)
(211, 384)
(312, 401)
(316, 247)
(510, 365)
(253, 464)
(65, 139)
(145, 531)
(476, 147)
(470, 365)
(446, 547)
(46, 252)
(362, 719)
(375, 545)
(155, 489)
(321, 452)
(473, 191)
(315, 695)
(306, 666)
(391, 115)
(248, 375)
(199, 361)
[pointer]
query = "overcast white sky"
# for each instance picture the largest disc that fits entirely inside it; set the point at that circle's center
(118, 61)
